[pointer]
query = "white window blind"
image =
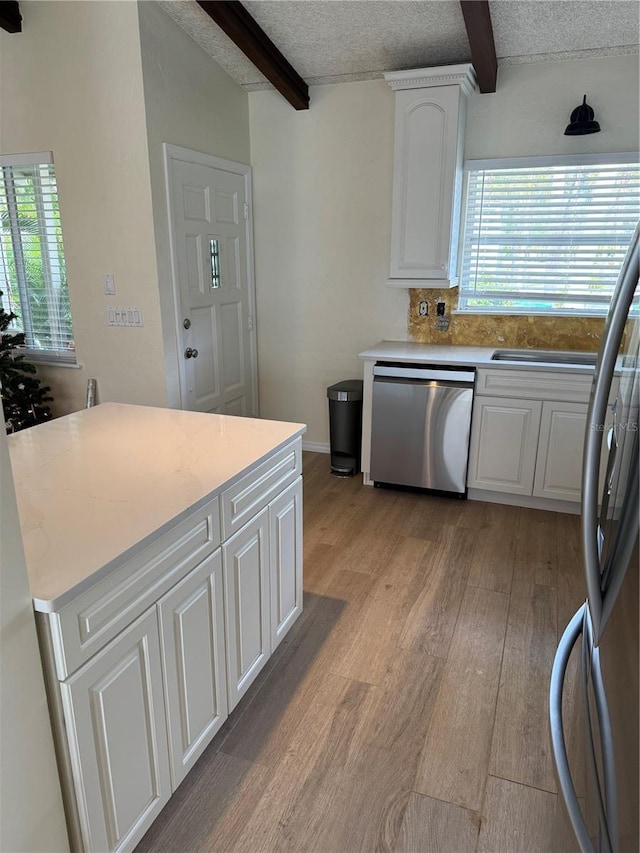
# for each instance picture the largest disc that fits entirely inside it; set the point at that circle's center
(33, 278)
(546, 238)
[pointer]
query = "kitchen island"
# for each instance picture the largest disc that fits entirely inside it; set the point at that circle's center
(164, 554)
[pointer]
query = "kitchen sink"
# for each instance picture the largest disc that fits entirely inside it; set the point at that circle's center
(537, 356)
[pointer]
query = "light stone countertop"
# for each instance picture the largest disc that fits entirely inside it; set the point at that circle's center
(462, 356)
(94, 485)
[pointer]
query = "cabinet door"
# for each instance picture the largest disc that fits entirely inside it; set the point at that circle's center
(429, 131)
(246, 595)
(116, 728)
(559, 465)
(504, 443)
(192, 637)
(285, 560)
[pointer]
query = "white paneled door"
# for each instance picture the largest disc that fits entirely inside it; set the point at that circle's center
(560, 450)
(504, 444)
(211, 238)
(118, 740)
(192, 638)
(285, 560)
(246, 589)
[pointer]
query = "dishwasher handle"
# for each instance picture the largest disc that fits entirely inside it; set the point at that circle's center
(429, 374)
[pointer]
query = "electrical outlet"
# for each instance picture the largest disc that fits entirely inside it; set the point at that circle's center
(441, 308)
(109, 285)
(423, 308)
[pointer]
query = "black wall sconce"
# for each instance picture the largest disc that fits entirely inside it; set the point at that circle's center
(582, 121)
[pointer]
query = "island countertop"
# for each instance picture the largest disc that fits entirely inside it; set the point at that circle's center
(92, 487)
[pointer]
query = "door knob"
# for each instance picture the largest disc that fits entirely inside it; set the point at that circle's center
(191, 352)
(186, 323)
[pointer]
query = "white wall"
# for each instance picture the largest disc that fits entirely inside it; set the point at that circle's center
(528, 113)
(189, 101)
(71, 83)
(86, 103)
(322, 188)
(31, 814)
(322, 202)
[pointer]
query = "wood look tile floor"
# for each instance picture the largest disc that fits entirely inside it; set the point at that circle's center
(406, 711)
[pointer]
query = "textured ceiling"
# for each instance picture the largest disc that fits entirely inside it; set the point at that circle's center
(529, 30)
(329, 38)
(330, 41)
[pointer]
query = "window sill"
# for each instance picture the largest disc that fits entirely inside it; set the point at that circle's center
(43, 362)
(496, 313)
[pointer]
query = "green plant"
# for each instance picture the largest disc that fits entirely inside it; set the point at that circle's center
(24, 398)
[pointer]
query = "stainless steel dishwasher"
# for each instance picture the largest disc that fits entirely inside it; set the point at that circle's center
(420, 426)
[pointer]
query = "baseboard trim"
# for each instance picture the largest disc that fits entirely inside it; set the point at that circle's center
(316, 446)
(527, 501)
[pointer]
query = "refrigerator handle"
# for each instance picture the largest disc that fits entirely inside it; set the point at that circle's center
(610, 805)
(627, 537)
(605, 366)
(612, 444)
(569, 638)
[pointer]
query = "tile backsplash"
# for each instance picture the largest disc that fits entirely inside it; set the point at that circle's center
(535, 331)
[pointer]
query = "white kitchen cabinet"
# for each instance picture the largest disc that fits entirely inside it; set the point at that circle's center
(247, 605)
(430, 109)
(192, 636)
(285, 561)
(152, 628)
(559, 462)
(117, 738)
(530, 447)
(504, 443)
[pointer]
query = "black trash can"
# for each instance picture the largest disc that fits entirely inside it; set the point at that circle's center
(345, 426)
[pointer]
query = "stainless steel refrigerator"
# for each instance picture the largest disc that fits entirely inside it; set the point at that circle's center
(604, 631)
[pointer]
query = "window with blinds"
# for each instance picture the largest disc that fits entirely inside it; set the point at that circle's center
(544, 236)
(33, 278)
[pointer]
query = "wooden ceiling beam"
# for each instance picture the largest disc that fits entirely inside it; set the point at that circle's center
(10, 17)
(477, 19)
(245, 32)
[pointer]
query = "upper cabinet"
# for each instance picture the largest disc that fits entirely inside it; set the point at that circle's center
(430, 113)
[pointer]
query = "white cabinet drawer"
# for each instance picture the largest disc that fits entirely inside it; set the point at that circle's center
(88, 622)
(534, 384)
(254, 491)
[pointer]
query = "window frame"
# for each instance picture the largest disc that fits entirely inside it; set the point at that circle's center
(58, 357)
(507, 163)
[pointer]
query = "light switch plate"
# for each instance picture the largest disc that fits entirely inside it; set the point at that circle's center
(109, 285)
(128, 316)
